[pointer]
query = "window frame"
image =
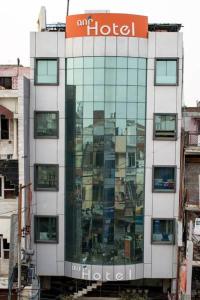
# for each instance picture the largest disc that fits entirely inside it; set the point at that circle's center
(35, 124)
(175, 177)
(164, 242)
(2, 139)
(163, 138)
(39, 241)
(50, 189)
(35, 71)
(177, 70)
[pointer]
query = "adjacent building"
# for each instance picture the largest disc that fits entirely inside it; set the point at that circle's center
(105, 124)
(14, 102)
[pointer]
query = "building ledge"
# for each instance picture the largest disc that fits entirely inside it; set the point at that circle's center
(192, 150)
(192, 207)
(9, 93)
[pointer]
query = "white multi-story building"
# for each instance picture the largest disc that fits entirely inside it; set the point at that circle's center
(105, 121)
(14, 103)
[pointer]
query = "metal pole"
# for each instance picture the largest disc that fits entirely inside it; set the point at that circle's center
(67, 7)
(189, 257)
(19, 240)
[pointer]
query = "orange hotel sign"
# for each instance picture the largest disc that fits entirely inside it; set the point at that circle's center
(106, 24)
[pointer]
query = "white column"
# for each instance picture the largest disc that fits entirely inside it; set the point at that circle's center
(2, 252)
(15, 139)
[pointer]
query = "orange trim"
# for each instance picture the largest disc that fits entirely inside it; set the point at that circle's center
(106, 24)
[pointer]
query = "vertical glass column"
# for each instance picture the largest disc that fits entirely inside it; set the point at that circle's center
(105, 159)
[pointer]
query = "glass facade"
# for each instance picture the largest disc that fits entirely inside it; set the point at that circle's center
(105, 159)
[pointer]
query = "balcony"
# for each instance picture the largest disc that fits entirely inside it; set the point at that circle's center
(192, 138)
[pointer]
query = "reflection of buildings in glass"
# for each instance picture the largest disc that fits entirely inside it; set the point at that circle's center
(109, 164)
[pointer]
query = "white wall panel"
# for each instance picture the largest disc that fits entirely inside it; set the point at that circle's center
(60, 268)
(61, 142)
(61, 240)
(163, 205)
(32, 44)
(33, 98)
(61, 94)
(122, 46)
(180, 44)
(149, 143)
(46, 151)
(162, 257)
(139, 271)
(47, 44)
(77, 47)
(148, 191)
(88, 46)
(165, 99)
(143, 47)
(147, 240)
(147, 270)
(150, 94)
(164, 153)
(133, 47)
(111, 46)
(151, 44)
(99, 46)
(69, 47)
(46, 98)
(61, 44)
(46, 262)
(166, 44)
(46, 203)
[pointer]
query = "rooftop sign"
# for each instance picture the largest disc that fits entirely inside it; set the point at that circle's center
(106, 24)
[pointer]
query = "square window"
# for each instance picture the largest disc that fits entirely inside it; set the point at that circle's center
(46, 71)
(164, 179)
(163, 231)
(165, 126)
(46, 124)
(46, 229)
(166, 71)
(45, 177)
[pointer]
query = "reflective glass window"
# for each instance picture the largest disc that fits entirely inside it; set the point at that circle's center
(78, 62)
(110, 76)
(45, 177)
(165, 126)
(99, 62)
(164, 179)
(110, 92)
(132, 93)
(121, 76)
(88, 76)
(163, 231)
(46, 124)
(133, 76)
(88, 62)
(46, 71)
(98, 93)
(46, 229)
(120, 110)
(98, 76)
(88, 92)
(110, 62)
(121, 93)
(166, 71)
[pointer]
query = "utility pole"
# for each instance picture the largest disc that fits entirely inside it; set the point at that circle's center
(189, 258)
(21, 187)
(19, 240)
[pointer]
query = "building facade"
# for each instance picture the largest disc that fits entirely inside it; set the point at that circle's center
(105, 121)
(14, 103)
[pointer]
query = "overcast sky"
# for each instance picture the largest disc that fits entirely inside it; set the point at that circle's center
(19, 17)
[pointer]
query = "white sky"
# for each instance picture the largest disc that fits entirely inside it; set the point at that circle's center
(19, 17)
